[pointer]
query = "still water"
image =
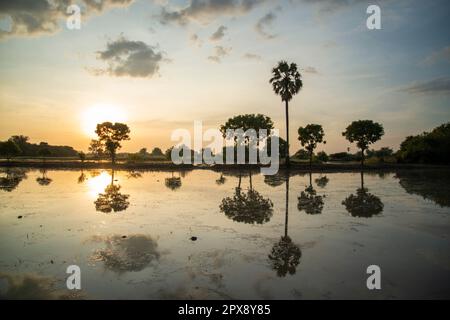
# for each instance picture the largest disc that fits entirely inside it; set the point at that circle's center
(203, 234)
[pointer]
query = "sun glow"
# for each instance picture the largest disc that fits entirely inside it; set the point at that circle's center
(97, 184)
(100, 113)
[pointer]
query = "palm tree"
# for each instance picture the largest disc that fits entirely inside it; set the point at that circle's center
(286, 82)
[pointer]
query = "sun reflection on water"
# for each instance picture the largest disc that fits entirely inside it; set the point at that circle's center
(97, 184)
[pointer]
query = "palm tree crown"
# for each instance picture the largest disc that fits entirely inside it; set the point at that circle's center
(286, 80)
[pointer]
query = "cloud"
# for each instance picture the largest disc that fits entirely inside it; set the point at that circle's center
(310, 69)
(195, 40)
(220, 52)
(129, 58)
(329, 6)
(220, 32)
(263, 23)
(440, 55)
(38, 17)
(435, 86)
(252, 56)
(205, 11)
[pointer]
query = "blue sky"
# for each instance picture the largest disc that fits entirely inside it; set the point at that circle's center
(52, 77)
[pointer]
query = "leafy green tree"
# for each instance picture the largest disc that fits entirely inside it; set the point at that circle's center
(9, 149)
(310, 136)
(111, 135)
(286, 82)
(364, 133)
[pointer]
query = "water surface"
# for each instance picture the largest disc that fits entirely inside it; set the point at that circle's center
(208, 235)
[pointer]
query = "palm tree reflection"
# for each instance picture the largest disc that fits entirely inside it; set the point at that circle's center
(285, 255)
(309, 201)
(363, 203)
(247, 207)
(12, 178)
(44, 180)
(112, 199)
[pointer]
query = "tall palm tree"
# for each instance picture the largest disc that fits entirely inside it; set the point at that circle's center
(286, 82)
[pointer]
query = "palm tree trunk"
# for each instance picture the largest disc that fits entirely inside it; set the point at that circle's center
(287, 135)
(362, 159)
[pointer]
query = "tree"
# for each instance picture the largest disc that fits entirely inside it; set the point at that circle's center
(246, 122)
(82, 156)
(157, 152)
(322, 156)
(428, 147)
(364, 133)
(309, 137)
(143, 152)
(44, 152)
(286, 82)
(9, 149)
(111, 135)
(96, 148)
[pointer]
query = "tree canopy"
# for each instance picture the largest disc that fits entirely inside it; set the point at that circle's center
(111, 135)
(309, 136)
(286, 80)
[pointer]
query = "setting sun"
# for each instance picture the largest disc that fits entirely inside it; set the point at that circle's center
(100, 113)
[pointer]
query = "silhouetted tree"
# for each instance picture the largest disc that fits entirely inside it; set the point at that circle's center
(364, 132)
(363, 204)
(322, 156)
(44, 152)
(246, 122)
(82, 156)
(428, 147)
(157, 152)
(96, 149)
(9, 149)
(309, 137)
(286, 82)
(111, 135)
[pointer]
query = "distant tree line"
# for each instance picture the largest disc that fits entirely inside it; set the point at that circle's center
(19, 146)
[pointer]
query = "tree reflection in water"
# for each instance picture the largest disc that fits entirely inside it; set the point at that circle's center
(431, 185)
(247, 207)
(44, 180)
(12, 178)
(285, 255)
(363, 204)
(322, 181)
(112, 199)
(221, 180)
(309, 201)
(173, 183)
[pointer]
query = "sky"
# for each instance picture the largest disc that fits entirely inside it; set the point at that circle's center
(159, 65)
